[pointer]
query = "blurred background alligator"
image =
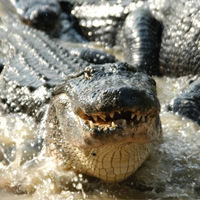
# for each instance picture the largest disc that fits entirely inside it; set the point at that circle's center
(158, 37)
(103, 114)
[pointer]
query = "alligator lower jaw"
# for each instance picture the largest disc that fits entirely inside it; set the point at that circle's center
(135, 122)
(112, 120)
(137, 129)
(115, 163)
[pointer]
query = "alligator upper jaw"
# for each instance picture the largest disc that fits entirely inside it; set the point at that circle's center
(106, 129)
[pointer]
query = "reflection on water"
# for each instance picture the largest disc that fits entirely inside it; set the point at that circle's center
(172, 170)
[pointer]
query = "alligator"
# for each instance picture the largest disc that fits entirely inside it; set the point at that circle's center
(158, 37)
(148, 33)
(109, 127)
(102, 118)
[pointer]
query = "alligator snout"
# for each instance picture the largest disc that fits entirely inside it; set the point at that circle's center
(111, 87)
(107, 101)
(126, 97)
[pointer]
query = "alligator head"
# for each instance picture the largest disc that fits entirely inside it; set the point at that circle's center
(43, 14)
(101, 107)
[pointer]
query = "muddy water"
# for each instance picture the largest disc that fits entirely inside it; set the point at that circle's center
(173, 169)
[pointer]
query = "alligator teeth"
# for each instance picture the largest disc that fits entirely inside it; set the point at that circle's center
(143, 119)
(112, 114)
(95, 117)
(91, 125)
(113, 125)
(103, 117)
(152, 120)
(138, 117)
(132, 115)
(124, 123)
(132, 124)
(148, 119)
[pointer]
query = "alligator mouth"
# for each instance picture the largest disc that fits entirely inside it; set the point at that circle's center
(116, 119)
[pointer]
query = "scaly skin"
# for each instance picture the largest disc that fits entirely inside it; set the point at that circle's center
(161, 39)
(101, 120)
(112, 163)
(105, 131)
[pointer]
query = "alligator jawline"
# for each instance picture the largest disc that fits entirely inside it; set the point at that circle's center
(117, 126)
(115, 119)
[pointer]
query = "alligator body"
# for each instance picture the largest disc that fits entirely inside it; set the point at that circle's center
(37, 66)
(102, 118)
(158, 37)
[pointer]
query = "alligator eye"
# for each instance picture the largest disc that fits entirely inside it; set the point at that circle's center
(87, 74)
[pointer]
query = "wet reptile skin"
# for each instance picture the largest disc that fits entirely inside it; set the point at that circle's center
(158, 37)
(112, 163)
(107, 131)
(111, 107)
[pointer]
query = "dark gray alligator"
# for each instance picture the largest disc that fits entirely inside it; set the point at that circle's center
(102, 117)
(158, 37)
